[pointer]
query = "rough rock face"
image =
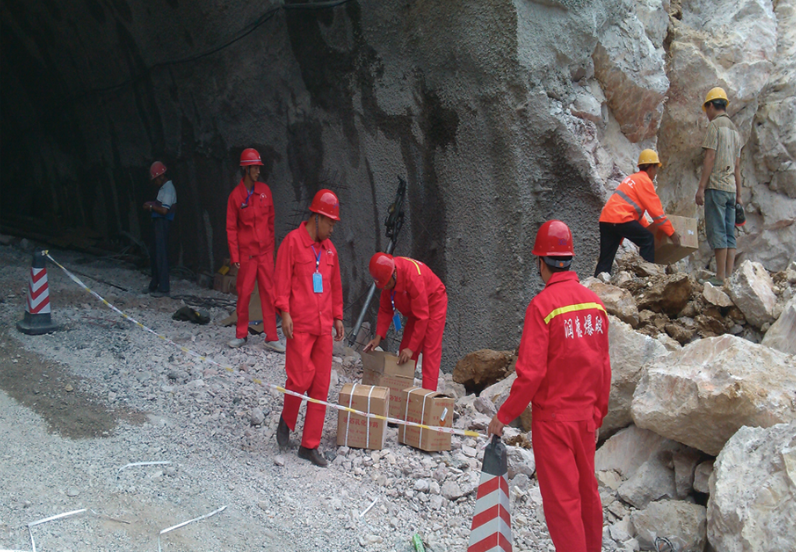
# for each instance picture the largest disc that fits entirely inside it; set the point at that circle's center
(684, 524)
(629, 449)
(483, 367)
(629, 351)
(702, 394)
(752, 291)
(782, 334)
(753, 491)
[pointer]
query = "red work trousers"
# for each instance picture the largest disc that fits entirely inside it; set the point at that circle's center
(261, 268)
(308, 363)
(565, 468)
(431, 344)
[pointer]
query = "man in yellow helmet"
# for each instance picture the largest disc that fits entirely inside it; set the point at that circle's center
(623, 215)
(720, 185)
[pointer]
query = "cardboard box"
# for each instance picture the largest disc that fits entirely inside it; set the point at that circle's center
(355, 430)
(382, 362)
(255, 313)
(666, 252)
(429, 408)
(396, 385)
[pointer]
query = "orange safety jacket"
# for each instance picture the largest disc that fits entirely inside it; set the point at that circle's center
(631, 198)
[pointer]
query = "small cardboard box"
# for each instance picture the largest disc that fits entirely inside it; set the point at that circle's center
(355, 430)
(428, 408)
(396, 385)
(255, 313)
(382, 362)
(666, 252)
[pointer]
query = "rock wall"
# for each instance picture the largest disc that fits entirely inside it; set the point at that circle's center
(500, 115)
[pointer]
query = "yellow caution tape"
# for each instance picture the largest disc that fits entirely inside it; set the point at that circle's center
(452, 431)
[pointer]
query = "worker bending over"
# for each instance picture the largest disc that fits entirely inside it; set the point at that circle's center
(310, 296)
(563, 369)
(250, 233)
(623, 215)
(411, 288)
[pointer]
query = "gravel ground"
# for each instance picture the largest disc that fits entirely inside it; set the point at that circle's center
(78, 404)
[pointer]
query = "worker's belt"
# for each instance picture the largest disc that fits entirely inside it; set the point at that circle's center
(541, 414)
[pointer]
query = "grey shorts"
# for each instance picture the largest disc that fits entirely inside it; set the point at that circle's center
(720, 219)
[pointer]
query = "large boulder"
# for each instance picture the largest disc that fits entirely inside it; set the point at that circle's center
(629, 449)
(702, 394)
(752, 504)
(752, 291)
(629, 351)
(617, 301)
(782, 334)
(653, 480)
(668, 294)
(683, 523)
(483, 367)
(499, 392)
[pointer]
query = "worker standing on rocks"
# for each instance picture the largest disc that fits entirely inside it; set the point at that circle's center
(250, 234)
(411, 288)
(720, 185)
(563, 369)
(623, 215)
(162, 211)
(310, 295)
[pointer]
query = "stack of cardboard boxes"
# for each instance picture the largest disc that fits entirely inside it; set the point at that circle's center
(383, 378)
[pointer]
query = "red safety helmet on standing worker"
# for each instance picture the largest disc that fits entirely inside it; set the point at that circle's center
(156, 170)
(250, 156)
(554, 239)
(326, 203)
(381, 267)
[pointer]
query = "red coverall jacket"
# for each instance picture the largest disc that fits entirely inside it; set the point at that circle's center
(312, 313)
(250, 230)
(416, 288)
(563, 366)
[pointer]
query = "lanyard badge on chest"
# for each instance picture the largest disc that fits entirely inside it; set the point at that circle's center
(317, 277)
(396, 317)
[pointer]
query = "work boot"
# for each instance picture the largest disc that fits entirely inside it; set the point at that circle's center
(160, 294)
(313, 456)
(282, 434)
(237, 342)
(275, 346)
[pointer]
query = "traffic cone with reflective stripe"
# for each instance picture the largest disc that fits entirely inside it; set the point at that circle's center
(38, 313)
(491, 530)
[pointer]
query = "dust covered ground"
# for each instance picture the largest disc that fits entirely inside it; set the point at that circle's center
(77, 405)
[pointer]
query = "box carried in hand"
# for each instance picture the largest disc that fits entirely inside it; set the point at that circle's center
(666, 252)
(382, 369)
(430, 408)
(356, 430)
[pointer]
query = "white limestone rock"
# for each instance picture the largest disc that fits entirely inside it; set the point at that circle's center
(702, 394)
(683, 523)
(752, 291)
(752, 504)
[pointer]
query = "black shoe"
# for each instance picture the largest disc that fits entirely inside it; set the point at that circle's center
(282, 434)
(313, 456)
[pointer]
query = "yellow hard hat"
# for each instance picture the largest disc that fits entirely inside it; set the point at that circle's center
(717, 93)
(649, 157)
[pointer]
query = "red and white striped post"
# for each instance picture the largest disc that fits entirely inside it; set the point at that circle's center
(38, 312)
(491, 530)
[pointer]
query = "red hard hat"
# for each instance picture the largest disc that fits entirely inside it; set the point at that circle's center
(156, 170)
(326, 203)
(250, 156)
(553, 240)
(382, 267)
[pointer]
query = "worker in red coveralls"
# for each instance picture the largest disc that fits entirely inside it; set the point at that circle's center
(250, 234)
(411, 288)
(563, 369)
(310, 296)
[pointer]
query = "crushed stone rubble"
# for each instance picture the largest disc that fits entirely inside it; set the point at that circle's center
(218, 429)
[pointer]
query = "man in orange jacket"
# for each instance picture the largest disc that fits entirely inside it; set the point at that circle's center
(623, 215)
(250, 234)
(563, 369)
(411, 288)
(310, 296)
